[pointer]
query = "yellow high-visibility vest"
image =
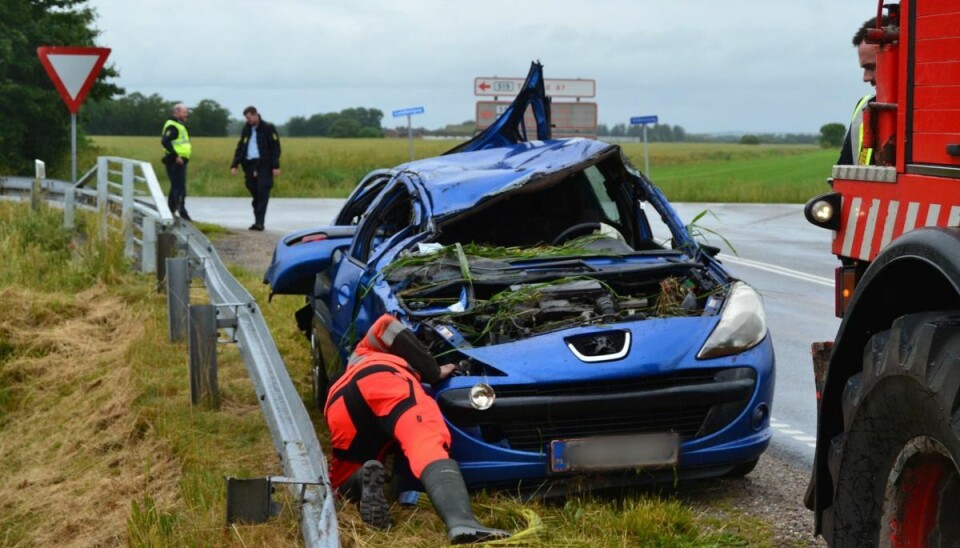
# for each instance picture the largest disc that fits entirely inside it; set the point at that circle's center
(181, 145)
(862, 156)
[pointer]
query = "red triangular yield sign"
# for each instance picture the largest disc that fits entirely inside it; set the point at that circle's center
(73, 70)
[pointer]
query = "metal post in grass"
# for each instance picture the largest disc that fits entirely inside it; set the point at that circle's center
(126, 214)
(408, 112)
(41, 173)
(166, 248)
(178, 296)
(103, 193)
(68, 205)
(644, 120)
(203, 355)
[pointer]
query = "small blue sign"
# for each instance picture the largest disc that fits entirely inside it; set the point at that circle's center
(407, 111)
(637, 120)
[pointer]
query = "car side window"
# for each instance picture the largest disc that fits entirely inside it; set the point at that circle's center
(353, 211)
(393, 214)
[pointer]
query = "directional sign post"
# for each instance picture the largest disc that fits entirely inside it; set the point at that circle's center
(408, 112)
(73, 71)
(644, 120)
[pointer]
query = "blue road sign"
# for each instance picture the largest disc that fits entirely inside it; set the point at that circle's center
(637, 120)
(407, 111)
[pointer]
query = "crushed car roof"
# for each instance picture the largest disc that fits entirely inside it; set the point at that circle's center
(457, 181)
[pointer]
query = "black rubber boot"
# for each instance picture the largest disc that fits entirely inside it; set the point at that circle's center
(365, 487)
(449, 495)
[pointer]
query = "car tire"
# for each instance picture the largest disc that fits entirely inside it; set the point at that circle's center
(895, 466)
(318, 374)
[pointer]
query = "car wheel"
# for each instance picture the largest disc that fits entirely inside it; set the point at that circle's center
(742, 469)
(895, 466)
(318, 373)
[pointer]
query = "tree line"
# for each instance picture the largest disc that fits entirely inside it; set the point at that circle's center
(138, 114)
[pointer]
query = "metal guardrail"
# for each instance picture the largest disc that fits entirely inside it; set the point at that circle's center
(129, 189)
(293, 434)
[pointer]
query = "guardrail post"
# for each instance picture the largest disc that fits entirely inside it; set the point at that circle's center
(148, 245)
(41, 173)
(178, 296)
(126, 214)
(68, 205)
(203, 355)
(166, 248)
(103, 193)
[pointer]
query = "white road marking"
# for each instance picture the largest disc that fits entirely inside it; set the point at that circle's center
(798, 435)
(790, 273)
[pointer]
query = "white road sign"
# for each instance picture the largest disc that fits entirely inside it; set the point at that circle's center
(556, 87)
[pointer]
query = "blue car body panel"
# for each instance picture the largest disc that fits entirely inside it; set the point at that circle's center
(547, 388)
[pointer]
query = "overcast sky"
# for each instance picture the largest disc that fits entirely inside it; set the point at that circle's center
(707, 65)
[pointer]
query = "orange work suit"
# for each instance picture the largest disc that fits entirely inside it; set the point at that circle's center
(379, 401)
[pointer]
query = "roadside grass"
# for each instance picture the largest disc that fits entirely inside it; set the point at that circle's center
(101, 445)
(330, 168)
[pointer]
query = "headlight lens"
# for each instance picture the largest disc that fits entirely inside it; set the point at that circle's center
(482, 396)
(822, 211)
(742, 325)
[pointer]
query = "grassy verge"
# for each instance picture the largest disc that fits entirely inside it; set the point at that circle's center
(689, 172)
(101, 446)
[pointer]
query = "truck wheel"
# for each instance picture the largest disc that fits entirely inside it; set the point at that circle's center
(896, 466)
(318, 374)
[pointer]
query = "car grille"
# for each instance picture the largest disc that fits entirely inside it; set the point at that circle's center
(535, 435)
(527, 418)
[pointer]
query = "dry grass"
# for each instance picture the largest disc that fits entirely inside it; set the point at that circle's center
(76, 452)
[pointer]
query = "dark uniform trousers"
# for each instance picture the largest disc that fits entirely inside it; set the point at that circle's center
(178, 186)
(259, 183)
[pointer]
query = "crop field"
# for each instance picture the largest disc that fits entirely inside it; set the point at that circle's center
(330, 168)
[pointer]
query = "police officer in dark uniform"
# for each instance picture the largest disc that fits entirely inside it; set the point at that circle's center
(378, 405)
(258, 151)
(176, 144)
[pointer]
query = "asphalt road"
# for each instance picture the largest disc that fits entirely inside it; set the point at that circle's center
(785, 258)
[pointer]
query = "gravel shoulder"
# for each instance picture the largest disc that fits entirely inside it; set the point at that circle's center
(773, 492)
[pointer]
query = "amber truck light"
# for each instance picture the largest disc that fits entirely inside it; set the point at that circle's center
(846, 281)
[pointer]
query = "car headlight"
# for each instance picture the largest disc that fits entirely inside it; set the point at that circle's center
(482, 396)
(742, 325)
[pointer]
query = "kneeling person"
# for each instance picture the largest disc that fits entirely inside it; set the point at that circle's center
(379, 402)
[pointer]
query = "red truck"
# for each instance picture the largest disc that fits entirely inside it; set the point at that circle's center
(887, 465)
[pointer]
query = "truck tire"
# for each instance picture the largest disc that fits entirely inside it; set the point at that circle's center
(896, 466)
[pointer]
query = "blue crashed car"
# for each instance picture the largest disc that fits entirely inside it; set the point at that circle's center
(589, 347)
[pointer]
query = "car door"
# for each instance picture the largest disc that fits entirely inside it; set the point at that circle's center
(393, 218)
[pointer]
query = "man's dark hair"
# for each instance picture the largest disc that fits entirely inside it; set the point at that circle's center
(871, 23)
(250, 110)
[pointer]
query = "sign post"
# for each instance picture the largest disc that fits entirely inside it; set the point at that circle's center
(408, 112)
(73, 71)
(644, 120)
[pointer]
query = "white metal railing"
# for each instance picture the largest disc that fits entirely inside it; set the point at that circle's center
(129, 188)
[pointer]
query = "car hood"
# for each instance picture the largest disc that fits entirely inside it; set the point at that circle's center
(660, 345)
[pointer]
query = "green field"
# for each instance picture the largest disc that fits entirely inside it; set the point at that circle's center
(686, 172)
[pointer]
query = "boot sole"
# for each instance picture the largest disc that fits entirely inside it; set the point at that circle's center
(374, 509)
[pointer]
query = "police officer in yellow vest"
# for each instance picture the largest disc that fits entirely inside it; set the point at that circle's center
(176, 144)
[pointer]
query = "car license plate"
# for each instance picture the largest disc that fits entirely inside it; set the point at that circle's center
(615, 452)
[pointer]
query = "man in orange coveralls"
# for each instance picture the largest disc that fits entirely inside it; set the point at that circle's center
(379, 402)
